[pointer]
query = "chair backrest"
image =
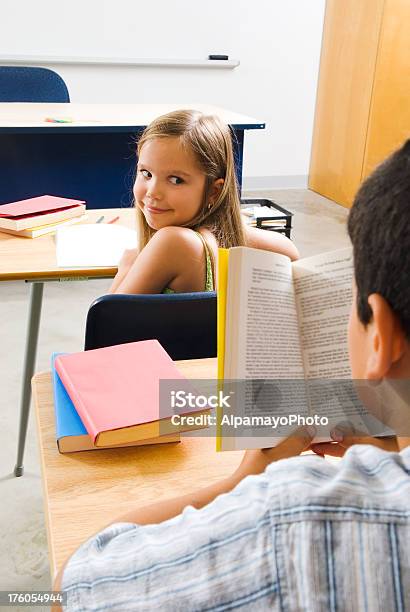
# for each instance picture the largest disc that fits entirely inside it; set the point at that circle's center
(29, 84)
(184, 323)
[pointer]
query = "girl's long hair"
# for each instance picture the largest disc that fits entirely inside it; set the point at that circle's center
(210, 140)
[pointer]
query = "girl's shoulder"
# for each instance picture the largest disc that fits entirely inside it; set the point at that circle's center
(183, 245)
(184, 253)
(181, 238)
(185, 236)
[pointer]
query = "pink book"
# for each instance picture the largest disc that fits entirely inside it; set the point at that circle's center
(36, 206)
(115, 391)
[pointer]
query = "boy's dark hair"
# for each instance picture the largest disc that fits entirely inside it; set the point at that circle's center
(379, 228)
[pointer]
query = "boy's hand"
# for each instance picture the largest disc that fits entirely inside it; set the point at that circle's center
(256, 461)
(344, 436)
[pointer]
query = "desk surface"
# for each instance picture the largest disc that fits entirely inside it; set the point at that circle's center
(35, 258)
(83, 492)
(99, 116)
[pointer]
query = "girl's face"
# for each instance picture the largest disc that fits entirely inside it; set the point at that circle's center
(169, 186)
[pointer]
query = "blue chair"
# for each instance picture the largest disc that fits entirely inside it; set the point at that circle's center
(184, 323)
(27, 84)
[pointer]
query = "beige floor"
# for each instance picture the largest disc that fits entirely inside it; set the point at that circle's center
(319, 225)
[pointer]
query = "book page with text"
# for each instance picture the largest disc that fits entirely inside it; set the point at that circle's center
(262, 336)
(323, 289)
(262, 344)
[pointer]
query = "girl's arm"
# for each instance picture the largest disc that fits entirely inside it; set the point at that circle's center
(270, 241)
(128, 258)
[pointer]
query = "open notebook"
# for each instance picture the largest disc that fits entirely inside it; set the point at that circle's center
(93, 245)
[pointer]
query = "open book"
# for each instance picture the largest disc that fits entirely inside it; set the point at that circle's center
(284, 340)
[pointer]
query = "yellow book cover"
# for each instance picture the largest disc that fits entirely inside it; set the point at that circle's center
(223, 259)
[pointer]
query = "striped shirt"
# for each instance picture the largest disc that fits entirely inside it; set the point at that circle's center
(307, 534)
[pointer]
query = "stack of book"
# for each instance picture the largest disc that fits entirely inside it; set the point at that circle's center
(41, 215)
(266, 214)
(110, 397)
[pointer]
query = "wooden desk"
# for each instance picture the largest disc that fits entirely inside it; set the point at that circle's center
(92, 158)
(34, 260)
(84, 492)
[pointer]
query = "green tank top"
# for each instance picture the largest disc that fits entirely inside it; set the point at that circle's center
(209, 277)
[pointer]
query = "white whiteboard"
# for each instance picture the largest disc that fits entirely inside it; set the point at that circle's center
(121, 30)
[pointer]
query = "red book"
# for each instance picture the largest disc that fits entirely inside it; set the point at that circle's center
(115, 391)
(42, 210)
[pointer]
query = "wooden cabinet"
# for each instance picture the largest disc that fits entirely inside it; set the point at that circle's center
(363, 98)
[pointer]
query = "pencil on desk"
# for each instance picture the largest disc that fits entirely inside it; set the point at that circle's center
(58, 120)
(113, 220)
(100, 219)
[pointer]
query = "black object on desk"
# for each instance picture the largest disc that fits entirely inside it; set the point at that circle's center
(279, 221)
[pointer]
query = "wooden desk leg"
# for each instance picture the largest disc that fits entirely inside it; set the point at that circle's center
(36, 297)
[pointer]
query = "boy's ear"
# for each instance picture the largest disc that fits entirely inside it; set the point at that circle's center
(216, 190)
(387, 340)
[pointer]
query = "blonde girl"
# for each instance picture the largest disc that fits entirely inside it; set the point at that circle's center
(187, 204)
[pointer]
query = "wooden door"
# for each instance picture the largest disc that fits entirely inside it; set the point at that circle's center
(389, 120)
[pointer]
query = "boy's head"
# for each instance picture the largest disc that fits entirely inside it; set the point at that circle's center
(379, 228)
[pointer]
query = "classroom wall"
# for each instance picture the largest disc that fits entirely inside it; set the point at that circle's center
(278, 45)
